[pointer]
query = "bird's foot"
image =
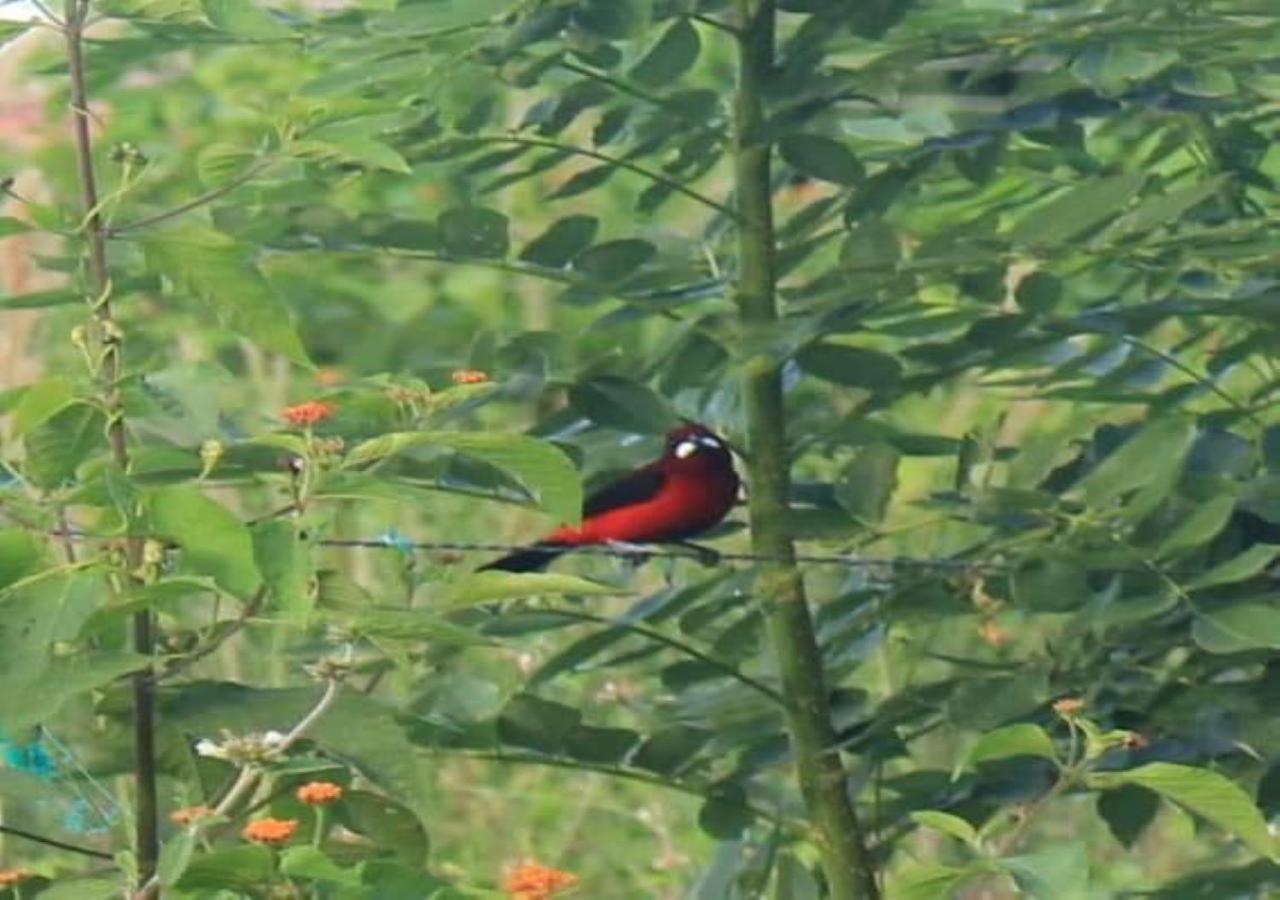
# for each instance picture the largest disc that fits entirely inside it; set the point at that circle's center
(705, 556)
(633, 554)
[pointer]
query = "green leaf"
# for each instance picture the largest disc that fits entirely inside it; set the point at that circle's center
(364, 152)
(390, 825)
(246, 868)
(927, 881)
(1168, 209)
(175, 856)
(474, 231)
(867, 483)
(725, 814)
(28, 701)
(56, 448)
(948, 824)
(562, 241)
(219, 163)
(822, 158)
(614, 260)
(586, 180)
(311, 863)
(670, 750)
(673, 55)
(1021, 739)
(850, 366)
(1059, 873)
(794, 880)
(1209, 795)
(40, 402)
(41, 300)
(486, 587)
(11, 226)
(1240, 627)
(1077, 210)
(616, 402)
(604, 746)
(284, 559)
(541, 467)
(20, 555)
(1239, 568)
(533, 723)
(1145, 458)
(220, 272)
(243, 19)
(1198, 528)
(1128, 810)
(213, 541)
(614, 19)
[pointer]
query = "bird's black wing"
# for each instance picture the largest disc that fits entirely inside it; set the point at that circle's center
(635, 487)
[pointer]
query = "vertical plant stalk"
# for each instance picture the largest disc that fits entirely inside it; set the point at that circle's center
(107, 341)
(823, 781)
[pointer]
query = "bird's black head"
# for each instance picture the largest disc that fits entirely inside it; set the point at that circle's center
(694, 446)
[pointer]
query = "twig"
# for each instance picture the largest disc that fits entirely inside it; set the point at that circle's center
(181, 664)
(196, 202)
(54, 842)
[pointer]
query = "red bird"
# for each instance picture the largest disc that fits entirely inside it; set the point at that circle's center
(690, 488)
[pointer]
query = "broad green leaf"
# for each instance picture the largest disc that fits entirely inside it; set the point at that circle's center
(725, 814)
(619, 403)
(1128, 810)
(614, 19)
(246, 867)
(1021, 739)
(541, 467)
(56, 448)
(562, 241)
(1240, 627)
(1209, 795)
(614, 260)
(244, 19)
(1058, 873)
(389, 824)
(867, 483)
(29, 701)
(821, 157)
(586, 180)
(673, 55)
(220, 272)
(84, 889)
(284, 559)
(1077, 210)
(364, 152)
(948, 824)
(20, 555)
(175, 856)
(486, 587)
(1206, 81)
(474, 231)
(600, 745)
(219, 163)
(213, 541)
(671, 749)
(1168, 209)
(851, 366)
(1145, 458)
(1239, 568)
(405, 625)
(41, 300)
(1197, 529)
(928, 881)
(534, 723)
(794, 880)
(311, 863)
(40, 402)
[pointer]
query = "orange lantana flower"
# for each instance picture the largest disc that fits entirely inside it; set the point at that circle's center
(313, 412)
(1068, 707)
(469, 376)
(318, 793)
(533, 881)
(10, 877)
(189, 814)
(269, 831)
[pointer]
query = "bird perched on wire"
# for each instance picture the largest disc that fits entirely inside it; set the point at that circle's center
(679, 495)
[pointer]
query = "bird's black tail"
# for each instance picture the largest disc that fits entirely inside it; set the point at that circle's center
(531, 559)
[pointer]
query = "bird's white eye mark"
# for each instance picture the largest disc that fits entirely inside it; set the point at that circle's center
(685, 449)
(707, 440)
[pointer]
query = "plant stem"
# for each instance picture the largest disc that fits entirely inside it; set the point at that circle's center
(108, 336)
(823, 781)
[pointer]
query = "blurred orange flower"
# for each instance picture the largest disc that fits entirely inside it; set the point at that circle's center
(189, 814)
(533, 881)
(269, 831)
(991, 632)
(10, 877)
(1068, 707)
(469, 376)
(313, 412)
(318, 793)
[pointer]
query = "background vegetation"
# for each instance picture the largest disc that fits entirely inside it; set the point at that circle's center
(1021, 341)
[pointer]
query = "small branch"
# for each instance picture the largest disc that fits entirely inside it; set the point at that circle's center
(54, 842)
(178, 666)
(716, 24)
(196, 202)
(621, 87)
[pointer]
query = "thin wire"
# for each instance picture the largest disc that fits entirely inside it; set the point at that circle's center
(393, 541)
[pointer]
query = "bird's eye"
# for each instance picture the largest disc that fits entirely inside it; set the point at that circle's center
(685, 449)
